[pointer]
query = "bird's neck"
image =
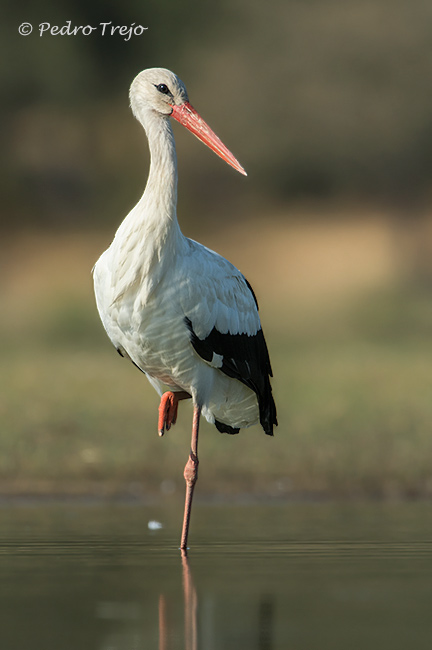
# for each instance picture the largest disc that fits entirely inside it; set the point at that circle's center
(155, 214)
(150, 236)
(159, 200)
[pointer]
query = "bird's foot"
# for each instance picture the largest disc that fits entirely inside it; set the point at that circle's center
(168, 409)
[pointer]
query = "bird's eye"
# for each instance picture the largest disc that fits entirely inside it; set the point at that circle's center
(163, 88)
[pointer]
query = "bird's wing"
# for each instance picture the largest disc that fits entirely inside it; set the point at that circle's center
(221, 313)
(215, 294)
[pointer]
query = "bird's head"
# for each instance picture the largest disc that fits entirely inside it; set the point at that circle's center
(156, 89)
(159, 92)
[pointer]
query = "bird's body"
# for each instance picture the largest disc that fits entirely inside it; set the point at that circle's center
(152, 326)
(179, 311)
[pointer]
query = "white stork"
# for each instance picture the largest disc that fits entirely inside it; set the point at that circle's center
(181, 313)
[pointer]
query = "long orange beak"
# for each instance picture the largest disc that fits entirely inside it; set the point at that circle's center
(187, 115)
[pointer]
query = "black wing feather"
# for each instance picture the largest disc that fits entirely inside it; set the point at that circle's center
(245, 358)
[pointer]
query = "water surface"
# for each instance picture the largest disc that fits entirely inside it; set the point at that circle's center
(266, 577)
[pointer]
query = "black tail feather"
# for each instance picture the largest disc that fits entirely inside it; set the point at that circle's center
(225, 428)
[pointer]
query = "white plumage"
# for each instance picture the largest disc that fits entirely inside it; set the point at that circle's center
(148, 324)
(182, 313)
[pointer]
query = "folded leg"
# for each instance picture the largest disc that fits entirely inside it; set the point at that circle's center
(168, 409)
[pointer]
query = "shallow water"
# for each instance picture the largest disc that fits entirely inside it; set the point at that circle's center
(265, 577)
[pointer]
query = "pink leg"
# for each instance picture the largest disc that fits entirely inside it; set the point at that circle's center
(191, 475)
(168, 409)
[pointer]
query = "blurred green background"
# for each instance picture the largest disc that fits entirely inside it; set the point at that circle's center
(328, 105)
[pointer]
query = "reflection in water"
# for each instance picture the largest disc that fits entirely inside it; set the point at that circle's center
(332, 577)
(190, 604)
(265, 623)
(190, 600)
(190, 610)
(162, 623)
